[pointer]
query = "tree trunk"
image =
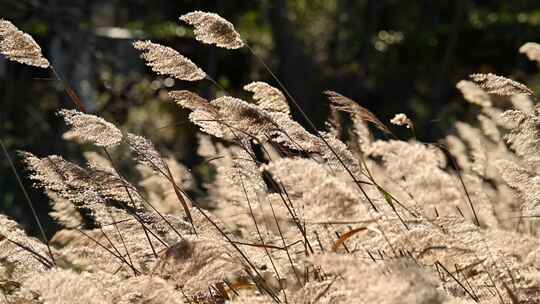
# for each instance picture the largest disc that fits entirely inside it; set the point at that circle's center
(296, 70)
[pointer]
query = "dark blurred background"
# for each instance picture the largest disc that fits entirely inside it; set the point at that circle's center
(391, 56)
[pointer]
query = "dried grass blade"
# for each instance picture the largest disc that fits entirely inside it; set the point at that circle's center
(345, 237)
(348, 105)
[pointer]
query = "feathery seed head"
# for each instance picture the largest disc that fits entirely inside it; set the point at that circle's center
(402, 120)
(87, 188)
(267, 97)
(345, 104)
(532, 50)
(19, 46)
(524, 135)
(239, 116)
(192, 101)
(145, 153)
(522, 102)
(92, 129)
(211, 28)
(498, 85)
(166, 61)
(473, 94)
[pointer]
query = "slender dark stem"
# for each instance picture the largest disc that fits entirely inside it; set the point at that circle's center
(122, 238)
(111, 243)
(324, 291)
(284, 243)
(178, 191)
(230, 241)
(262, 240)
(137, 217)
(28, 200)
(456, 280)
(312, 125)
(457, 169)
(69, 91)
(43, 260)
(109, 251)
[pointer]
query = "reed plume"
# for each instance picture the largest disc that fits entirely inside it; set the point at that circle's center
(345, 104)
(87, 128)
(473, 93)
(268, 97)
(211, 28)
(20, 47)
(531, 50)
(401, 119)
(192, 101)
(166, 61)
(277, 217)
(499, 85)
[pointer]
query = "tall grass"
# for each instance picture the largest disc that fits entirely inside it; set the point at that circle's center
(291, 216)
